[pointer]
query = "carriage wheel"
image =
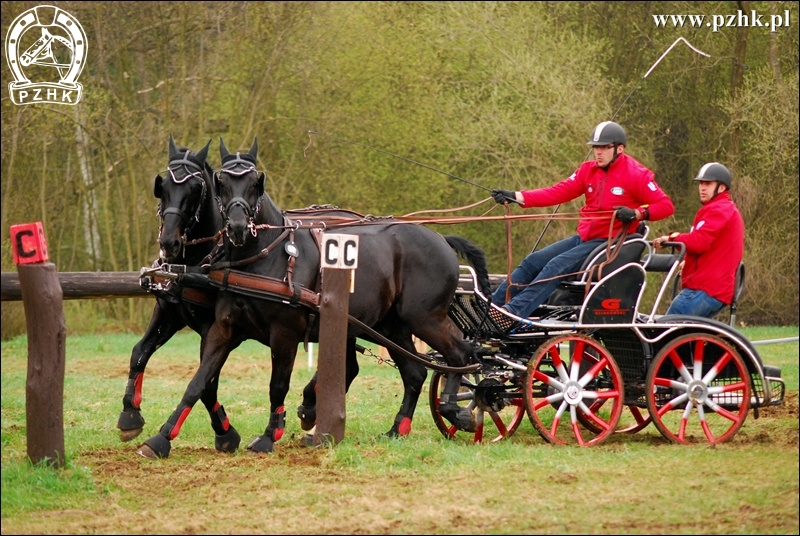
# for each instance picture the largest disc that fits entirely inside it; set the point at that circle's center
(698, 390)
(497, 405)
(568, 378)
(632, 419)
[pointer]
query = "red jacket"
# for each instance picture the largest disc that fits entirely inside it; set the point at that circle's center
(625, 182)
(714, 249)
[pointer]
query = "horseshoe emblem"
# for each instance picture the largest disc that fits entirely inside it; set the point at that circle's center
(29, 42)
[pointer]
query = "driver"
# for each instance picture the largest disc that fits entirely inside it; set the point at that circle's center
(613, 181)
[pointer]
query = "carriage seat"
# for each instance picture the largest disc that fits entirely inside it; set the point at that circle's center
(572, 289)
(663, 262)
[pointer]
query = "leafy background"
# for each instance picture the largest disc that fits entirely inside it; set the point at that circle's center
(502, 94)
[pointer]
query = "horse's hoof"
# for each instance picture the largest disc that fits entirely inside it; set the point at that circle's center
(156, 447)
(146, 452)
(307, 440)
(307, 416)
(129, 435)
(262, 443)
(229, 441)
(130, 424)
(461, 418)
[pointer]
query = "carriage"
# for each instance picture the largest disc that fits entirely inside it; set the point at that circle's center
(594, 360)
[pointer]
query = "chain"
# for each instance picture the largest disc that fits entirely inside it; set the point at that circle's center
(381, 360)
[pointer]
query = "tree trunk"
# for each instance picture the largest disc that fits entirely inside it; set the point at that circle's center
(737, 80)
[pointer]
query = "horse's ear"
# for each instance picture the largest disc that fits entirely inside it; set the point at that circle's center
(223, 151)
(254, 149)
(201, 156)
(260, 183)
(173, 149)
(157, 186)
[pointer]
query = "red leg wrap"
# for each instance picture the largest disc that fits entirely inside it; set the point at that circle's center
(278, 423)
(404, 428)
(177, 428)
(137, 390)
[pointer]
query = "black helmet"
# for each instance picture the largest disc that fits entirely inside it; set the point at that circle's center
(714, 171)
(606, 133)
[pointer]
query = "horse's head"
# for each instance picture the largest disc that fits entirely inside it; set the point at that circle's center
(182, 192)
(239, 188)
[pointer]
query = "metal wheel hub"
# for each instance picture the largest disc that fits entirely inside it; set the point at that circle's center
(698, 391)
(573, 392)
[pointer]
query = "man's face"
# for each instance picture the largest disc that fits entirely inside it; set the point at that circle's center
(603, 154)
(707, 190)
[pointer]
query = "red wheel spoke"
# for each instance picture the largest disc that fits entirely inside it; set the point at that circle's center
(577, 431)
(594, 418)
(672, 404)
(609, 393)
(577, 357)
(593, 372)
(637, 415)
(718, 367)
(549, 380)
(678, 362)
(555, 356)
(698, 358)
(719, 410)
(501, 426)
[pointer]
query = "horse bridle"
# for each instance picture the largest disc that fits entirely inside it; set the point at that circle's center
(238, 167)
(186, 164)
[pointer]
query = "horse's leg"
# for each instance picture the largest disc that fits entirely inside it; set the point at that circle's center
(413, 375)
(216, 347)
(307, 411)
(227, 438)
(284, 350)
(456, 352)
(164, 323)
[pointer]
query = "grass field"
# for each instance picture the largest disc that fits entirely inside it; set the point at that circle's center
(631, 484)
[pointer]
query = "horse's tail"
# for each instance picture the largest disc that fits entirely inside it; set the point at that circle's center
(475, 256)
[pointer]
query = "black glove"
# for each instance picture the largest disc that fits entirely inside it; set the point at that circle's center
(501, 196)
(625, 214)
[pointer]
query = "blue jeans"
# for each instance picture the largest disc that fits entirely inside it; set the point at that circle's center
(562, 257)
(695, 302)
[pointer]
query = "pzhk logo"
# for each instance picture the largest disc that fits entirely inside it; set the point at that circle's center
(48, 43)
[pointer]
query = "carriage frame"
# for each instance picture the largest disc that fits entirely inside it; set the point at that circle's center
(585, 369)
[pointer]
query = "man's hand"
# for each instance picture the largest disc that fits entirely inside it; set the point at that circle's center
(660, 240)
(625, 214)
(504, 196)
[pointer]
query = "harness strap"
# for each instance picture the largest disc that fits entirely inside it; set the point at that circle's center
(260, 255)
(247, 283)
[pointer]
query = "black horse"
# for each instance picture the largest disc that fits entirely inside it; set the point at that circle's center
(406, 291)
(190, 221)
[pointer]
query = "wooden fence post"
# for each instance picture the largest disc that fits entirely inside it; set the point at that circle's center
(42, 298)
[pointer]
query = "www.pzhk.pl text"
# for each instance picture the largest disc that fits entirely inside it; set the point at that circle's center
(716, 22)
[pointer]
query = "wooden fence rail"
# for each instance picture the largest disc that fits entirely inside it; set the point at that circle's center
(83, 285)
